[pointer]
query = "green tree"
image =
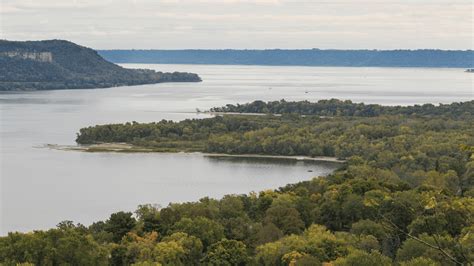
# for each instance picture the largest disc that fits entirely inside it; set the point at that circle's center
(119, 224)
(269, 233)
(368, 227)
(428, 248)
(362, 258)
(287, 219)
(63, 246)
(191, 245)
(208, 231)
(226, 252)
(420, 261)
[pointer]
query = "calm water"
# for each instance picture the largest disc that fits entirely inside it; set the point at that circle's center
(40, 187)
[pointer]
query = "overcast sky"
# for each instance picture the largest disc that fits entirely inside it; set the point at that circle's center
(177, 24)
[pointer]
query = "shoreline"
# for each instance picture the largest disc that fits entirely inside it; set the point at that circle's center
(128, 148)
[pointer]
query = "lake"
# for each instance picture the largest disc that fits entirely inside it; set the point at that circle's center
(41, 187)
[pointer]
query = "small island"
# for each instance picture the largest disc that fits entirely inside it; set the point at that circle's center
(58, 64)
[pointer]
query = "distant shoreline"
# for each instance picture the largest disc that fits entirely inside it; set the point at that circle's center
(422, 58)
(128, 148)
(311, 66)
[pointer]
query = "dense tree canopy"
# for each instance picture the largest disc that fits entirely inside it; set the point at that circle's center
(335, 107)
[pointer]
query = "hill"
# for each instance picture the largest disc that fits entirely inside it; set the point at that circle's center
(312, 57)
(57, 64)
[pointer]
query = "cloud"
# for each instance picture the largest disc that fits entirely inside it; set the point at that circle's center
(219, 1)
(256, 23)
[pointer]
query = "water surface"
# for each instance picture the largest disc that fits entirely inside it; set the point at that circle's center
(40, 187)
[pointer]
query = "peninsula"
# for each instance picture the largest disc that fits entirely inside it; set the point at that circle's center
(327, 128)
(58, 64)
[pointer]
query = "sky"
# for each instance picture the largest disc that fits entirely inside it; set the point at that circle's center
(243, 24)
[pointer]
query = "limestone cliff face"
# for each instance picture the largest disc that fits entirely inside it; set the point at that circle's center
(36, 56)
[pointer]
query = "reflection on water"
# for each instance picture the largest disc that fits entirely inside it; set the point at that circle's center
(40, 187)
(270, 161)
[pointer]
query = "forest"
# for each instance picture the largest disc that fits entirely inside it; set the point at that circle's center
(335, 107)
(404, 196)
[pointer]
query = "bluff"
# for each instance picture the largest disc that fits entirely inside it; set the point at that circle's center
(58, 64)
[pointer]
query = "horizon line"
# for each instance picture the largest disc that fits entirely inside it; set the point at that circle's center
(281, 49)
